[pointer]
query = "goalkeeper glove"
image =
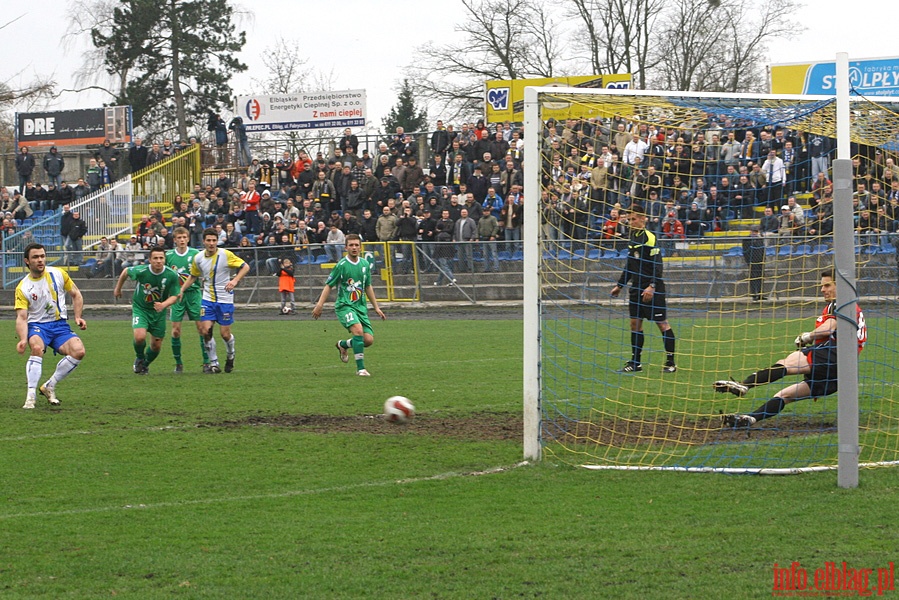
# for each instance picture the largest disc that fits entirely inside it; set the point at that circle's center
(804, 339)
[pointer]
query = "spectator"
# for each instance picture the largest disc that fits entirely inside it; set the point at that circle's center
(65, 194)
(465, 231)
(93, 177)
(54, 165)
(754, 257)
(510, 221)
(787, 226)
(387, 225)
(334, 242)
(133, 253)
(20, 207)
(24, 166)
(769, 223)
(137, 155)
(76, 233)
(243, 145)
(109, 155)
(488, 230)
(369, 224)
(443, 250)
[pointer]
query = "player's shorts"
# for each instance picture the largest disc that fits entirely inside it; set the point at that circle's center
(190, 305)
(149, 319)
(223, 314)
(822, 381)
(53, 333)
(349, 316)
(656, 310)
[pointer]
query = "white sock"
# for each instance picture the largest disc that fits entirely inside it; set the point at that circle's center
(210, 350)
(63, 368)
(33, 373)
(230, 345)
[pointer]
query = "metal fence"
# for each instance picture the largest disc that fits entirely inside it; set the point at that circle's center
(108, 212)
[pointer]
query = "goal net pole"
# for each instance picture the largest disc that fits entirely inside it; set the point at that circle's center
(844, 262)
(533, 129)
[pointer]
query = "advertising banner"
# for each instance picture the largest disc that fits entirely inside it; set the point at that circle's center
(74, 127)
(504, 98)
(870, 77)
(305, 110)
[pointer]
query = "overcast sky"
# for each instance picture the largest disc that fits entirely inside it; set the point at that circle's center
(366, 43)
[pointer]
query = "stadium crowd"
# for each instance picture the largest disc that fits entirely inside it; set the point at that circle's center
(691, 180)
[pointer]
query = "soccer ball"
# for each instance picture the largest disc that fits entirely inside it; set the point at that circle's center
(398, 409)
(285, 310)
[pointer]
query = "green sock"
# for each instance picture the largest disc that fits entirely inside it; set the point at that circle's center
(346, 344)
(358, 351)
(151, 355)
(203, 350)
(176, 350)
(139, 349)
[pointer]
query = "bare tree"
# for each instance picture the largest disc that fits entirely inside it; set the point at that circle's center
(287, 72)
(619, 34)
(704, 46)
(497, 39)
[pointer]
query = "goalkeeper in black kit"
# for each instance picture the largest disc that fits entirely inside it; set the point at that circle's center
(647, 291)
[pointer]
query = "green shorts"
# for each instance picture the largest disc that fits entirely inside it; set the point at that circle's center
(152, 321)
(349, 316)
(190, 305)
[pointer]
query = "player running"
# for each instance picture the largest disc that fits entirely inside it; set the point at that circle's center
(816, 359)
(352, 278)
(179, 260)
(41, 322)
(214, 265)
(156, 288)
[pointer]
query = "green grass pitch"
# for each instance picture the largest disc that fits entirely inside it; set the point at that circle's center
(277, 481)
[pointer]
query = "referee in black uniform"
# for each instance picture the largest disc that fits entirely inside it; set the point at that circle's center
(647, 290)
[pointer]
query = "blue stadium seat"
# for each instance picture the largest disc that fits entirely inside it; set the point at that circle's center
(579, 253)
(594, 253)
(564, 255)
(623, 252)
(517, 255)
(770, 251)
(785, 251)
(887, 249)
(802, 250)
(302, 258)
(735, 251)
(322, 259)
(504, 255)
(821, 249)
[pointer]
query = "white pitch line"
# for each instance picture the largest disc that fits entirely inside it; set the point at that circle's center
(255, 497)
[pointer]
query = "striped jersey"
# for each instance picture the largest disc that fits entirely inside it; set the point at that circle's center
(830, 312)
(44, 297)
(215, 271)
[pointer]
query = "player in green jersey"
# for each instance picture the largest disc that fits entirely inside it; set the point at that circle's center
(352, 278)
(157, 287)
(179, 260)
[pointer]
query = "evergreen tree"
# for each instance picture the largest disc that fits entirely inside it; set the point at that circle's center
(178, 57)
(404, 113)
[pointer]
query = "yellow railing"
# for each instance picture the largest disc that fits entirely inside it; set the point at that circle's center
(156, 186)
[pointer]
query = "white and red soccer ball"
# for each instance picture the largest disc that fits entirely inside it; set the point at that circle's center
(398, 409)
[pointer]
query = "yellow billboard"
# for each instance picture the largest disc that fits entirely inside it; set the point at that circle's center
(504, 98)
(868, 77)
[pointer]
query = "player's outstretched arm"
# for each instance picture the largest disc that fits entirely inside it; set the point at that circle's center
(370, 292)
(317, 309)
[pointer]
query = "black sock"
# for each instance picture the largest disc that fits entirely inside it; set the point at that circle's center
(668, 339)
(772, 373)
(637, 338)
(768, 409)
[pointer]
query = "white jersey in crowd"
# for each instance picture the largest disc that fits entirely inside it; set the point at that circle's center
(215, 271)
(44, 297)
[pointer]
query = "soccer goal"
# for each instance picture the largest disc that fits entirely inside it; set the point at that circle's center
(591, 154)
